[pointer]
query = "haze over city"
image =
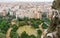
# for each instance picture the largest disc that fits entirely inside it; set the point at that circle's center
(26, 0)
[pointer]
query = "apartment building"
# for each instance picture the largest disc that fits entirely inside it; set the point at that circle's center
(3, 12)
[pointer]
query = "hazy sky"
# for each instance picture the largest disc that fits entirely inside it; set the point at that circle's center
(26, 0)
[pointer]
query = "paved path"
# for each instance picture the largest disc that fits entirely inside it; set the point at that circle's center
(8, 33)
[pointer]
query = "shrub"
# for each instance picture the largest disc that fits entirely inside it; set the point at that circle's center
(14, 35)
(4, 25)
(44, 26)
(19, 19)
(39, 32)
(34, 25)
(22, 23)
(32, 36)
(14, 28)
(24, 35)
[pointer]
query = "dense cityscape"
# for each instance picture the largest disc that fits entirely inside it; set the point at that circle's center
(29, 20)
(31, 10)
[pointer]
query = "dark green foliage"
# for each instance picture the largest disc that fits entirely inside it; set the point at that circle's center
(35, 23)
(39, 32)
(45, 19)
(5, 28)
(14, 35)
(23, 19)
(19, 19)
(24, 35)
(4, 25)
(32, 36)
(14, 28)
(44, 26)
(46, 22)
(22, 23)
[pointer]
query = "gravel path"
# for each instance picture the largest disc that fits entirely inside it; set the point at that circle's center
(8, 33)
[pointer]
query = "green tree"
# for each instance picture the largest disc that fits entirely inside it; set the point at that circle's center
(14, 28)
(32, 36)
(2, 35)
(39, 32)
(19, 19)
(44, 26)
(22, 23)
(24, 35)
(35, 23)
(14, 35)
(4, 25)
